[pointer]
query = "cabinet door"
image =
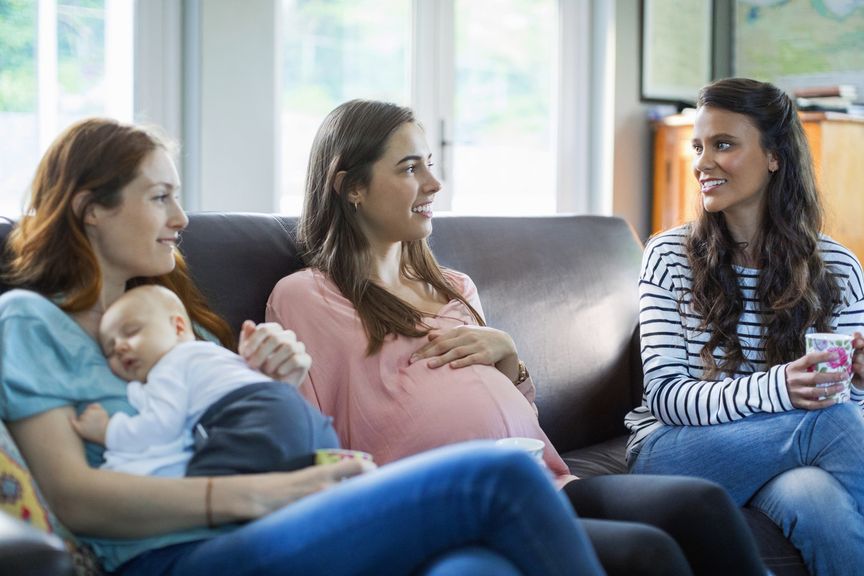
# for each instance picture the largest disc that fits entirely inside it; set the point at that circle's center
(676, 191)
(838, 158)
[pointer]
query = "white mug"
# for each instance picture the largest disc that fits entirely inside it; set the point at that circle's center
(531, 445)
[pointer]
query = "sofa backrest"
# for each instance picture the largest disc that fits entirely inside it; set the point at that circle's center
(564, 287)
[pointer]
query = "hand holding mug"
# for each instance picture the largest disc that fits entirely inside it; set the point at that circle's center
(858, 361)
(820, 378)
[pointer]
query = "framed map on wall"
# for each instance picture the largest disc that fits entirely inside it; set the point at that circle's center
(797, 43)
(677, 57)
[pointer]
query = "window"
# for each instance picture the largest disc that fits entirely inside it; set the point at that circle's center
(504, 111)
(335, 51)
(60, 60)
(480, 74)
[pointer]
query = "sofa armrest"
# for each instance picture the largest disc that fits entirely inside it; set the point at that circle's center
(26, 551)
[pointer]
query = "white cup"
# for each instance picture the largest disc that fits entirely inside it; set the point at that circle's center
(531, 445)
(840, 344)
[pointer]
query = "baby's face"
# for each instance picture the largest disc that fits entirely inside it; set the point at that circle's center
(134, 335)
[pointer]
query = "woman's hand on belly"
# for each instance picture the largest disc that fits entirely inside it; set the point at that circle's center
(468, 345)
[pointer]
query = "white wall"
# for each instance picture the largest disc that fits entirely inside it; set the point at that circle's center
(158, 82)
(239, 105)
(631, 166)
(619, 155)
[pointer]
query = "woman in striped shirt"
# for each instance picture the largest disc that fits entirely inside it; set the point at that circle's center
(729, 394)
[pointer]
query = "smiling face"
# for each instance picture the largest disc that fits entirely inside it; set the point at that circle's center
(730, 163)
(140, 328)
(138, 237)
(396, 206)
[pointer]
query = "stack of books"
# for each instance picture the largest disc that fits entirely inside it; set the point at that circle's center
(837, 98)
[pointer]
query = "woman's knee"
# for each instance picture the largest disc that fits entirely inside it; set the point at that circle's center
(848, 417)
(474, 561)
(481, 462)
(701, 498)
(797, 498)
(684, 496)
(498, 460)
(635, 549)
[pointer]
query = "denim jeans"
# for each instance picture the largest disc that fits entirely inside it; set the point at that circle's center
(466, 509)
(768, 458)
(818, 516)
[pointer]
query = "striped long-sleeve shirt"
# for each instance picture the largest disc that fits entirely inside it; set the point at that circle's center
(675, 393)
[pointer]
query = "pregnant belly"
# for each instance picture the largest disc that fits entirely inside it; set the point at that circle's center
(421, 408)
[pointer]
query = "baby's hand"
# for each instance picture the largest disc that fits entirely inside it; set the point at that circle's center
(92, 424)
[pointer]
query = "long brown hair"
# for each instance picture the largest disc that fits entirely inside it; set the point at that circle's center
(351, 139)
(795, 285)
(49, 251)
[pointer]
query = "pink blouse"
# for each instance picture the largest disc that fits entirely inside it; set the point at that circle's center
(383, 405)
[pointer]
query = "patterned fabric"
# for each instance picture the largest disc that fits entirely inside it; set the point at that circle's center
(20, 497)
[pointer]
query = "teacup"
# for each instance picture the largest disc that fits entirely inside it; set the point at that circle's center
(531, 445)
(841, 345)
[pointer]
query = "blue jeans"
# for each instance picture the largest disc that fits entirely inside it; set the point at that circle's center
(464, 509)
(818, 516)
(769, 459)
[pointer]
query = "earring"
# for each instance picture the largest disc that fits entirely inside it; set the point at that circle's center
(355, 207)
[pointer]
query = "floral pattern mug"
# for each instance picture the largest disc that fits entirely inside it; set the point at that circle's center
(841, 345)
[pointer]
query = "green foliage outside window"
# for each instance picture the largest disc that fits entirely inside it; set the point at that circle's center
(80, 44)
(18, 55)
(337, 49)
(80, 49)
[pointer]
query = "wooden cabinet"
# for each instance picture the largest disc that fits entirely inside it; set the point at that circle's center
(837, 145)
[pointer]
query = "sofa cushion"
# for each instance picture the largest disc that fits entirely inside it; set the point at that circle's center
(237, 259)
(606, 457)
(565, 288)
(777, 553)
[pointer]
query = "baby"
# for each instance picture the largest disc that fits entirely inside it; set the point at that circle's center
(201, 410)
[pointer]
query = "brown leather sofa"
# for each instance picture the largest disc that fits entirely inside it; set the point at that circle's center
(565, 287)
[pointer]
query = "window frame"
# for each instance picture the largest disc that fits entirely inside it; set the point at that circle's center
(432, 96)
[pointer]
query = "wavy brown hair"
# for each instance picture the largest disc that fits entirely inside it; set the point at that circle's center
(48, 250)
(351, 139)
(794, 285)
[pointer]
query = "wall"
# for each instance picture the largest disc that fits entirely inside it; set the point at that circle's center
(631, 164)
(632, 171)
(239, 80)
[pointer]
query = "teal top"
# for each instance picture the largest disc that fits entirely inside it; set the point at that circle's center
(49, 361)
